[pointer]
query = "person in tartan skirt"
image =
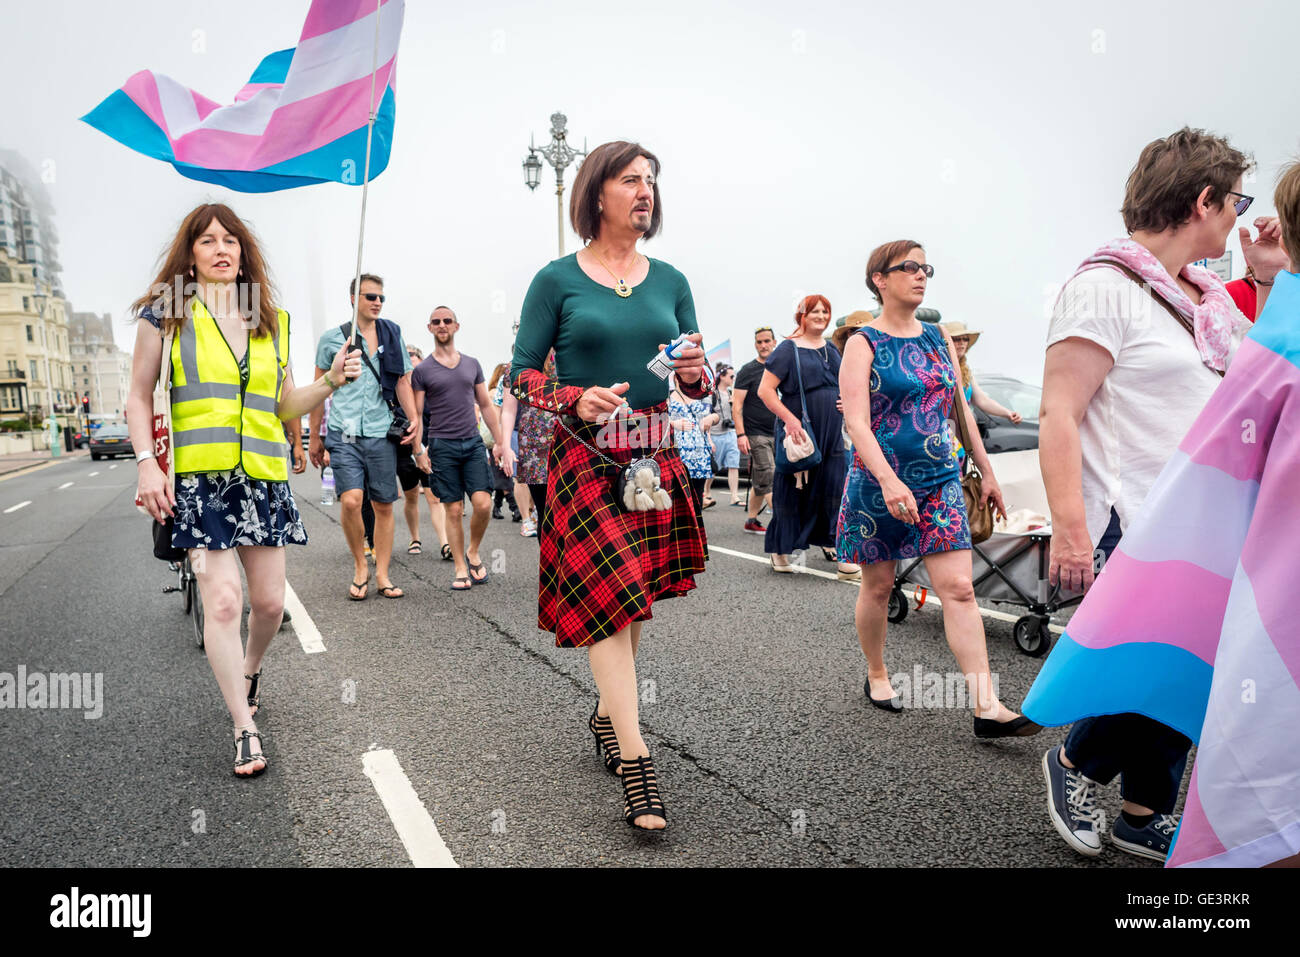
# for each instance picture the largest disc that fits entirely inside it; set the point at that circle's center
(606, 311)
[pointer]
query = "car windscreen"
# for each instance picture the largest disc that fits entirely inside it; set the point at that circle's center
(1018, 396)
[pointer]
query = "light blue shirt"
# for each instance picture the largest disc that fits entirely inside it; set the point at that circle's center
(357, 408)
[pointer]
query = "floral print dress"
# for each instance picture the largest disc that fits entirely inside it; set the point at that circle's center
(692, 444)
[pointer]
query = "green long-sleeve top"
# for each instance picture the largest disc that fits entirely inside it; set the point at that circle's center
(599, 337)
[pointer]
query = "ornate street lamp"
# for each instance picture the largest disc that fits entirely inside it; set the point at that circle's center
(560, 155)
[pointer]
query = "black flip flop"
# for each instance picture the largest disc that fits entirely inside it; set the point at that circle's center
(461, 579)
(475, 568)
(365, 591)
(446, 553)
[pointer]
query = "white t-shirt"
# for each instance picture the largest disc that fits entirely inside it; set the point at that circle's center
(1148, 400)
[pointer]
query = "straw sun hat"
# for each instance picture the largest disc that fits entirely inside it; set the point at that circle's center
(852, 323)
(957, 328)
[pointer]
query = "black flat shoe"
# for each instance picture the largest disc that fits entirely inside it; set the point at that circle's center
(1020, 727)
(893, 705)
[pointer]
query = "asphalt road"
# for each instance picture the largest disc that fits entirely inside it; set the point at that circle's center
(751, 702)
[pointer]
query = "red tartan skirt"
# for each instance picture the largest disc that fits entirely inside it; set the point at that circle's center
(601, 567)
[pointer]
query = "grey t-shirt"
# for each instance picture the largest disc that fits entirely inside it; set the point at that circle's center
(448, 397)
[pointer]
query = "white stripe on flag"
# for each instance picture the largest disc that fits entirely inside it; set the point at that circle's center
(179, 111)
(320, 64)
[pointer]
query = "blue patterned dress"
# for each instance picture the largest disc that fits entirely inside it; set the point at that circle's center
(692, 444)
(913, 388)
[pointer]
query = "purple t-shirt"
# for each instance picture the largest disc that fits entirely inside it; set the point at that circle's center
(448, 397)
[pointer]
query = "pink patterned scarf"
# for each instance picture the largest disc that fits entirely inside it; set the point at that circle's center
(1219, 325)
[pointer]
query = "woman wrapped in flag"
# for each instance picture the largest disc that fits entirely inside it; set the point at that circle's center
(1188, 626)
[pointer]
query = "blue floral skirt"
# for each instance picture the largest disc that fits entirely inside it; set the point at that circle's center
(226, 509)
(867, 533)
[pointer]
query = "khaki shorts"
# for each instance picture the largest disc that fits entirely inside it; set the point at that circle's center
(762, 463)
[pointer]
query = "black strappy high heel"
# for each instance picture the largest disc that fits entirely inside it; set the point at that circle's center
(244, 753)
(254, 695)
(641, 792)
(606, 741)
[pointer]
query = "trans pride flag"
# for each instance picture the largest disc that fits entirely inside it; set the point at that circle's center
(1193, 621)
(300, 119)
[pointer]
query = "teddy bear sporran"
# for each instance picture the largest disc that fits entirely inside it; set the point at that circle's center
(639, 489)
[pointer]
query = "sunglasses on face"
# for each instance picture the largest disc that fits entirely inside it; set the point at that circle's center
(372, 297)
(441, 322)
(1242, 204)
(910, 267)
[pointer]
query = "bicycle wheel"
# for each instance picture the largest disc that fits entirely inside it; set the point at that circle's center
(187, 585)
(198, 611)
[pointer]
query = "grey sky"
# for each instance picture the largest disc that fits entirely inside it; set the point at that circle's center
(793, 137)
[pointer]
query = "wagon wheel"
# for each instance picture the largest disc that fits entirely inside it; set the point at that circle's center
(1032, 635)
(897, 605)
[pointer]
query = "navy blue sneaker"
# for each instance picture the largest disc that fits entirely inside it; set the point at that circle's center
(1072, 805)
(1151, 841)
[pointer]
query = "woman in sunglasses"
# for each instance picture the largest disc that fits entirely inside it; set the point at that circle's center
(903, 498)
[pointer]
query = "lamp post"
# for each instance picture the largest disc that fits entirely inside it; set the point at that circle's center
(42, 299)
(560, 155)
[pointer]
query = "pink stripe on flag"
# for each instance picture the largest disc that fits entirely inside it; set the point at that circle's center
(1234, 431)
(328, 15)
(1269, 553)
(1174, 603)
(293, 130)
(142, 88)
(1196, 838)
(203, 106)
(251, 90)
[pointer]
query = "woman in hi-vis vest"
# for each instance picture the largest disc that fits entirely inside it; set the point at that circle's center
(231, 389)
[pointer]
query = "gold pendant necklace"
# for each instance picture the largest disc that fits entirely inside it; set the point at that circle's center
(623, 289)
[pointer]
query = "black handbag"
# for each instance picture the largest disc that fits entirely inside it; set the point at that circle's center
(162, 541)
(783, 463)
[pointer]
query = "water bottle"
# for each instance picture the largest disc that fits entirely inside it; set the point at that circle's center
(327, 486)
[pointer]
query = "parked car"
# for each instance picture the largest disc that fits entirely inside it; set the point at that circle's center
(80, 440)
(110, 441)
(1000, 435)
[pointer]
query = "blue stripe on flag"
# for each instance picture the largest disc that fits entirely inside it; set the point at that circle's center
(1276, 329)
(1158, 680)
(274, 67)
(119, 117)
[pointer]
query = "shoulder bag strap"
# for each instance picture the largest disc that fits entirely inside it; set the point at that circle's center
(798, 371)
(1155, 294)
(165, 381)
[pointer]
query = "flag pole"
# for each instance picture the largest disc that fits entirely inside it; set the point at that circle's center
(365, 189)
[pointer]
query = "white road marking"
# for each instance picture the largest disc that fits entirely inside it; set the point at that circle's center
(93, 474)
(14, 508)
(909, 590)
(308, 634)
(64, 485)
(113, 466)
(411, 819)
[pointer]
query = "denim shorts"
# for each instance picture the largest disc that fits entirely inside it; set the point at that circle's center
(361, 462)
(460, 467)
(726, 453)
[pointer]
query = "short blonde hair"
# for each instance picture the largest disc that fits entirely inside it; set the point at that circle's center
(1286, 200)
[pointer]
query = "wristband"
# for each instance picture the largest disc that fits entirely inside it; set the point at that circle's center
(141, 456)
(328, 381)
(1261, 282)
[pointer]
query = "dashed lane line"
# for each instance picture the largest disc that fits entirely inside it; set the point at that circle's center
(308, 634)
(64, 485)
(93, 474)
(931, 599)
(410, 818)
(14, 508)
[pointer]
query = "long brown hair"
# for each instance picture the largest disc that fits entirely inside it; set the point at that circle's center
(176, 285)
(501, 369)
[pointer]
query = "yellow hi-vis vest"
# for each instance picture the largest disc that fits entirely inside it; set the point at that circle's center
(216, 424)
